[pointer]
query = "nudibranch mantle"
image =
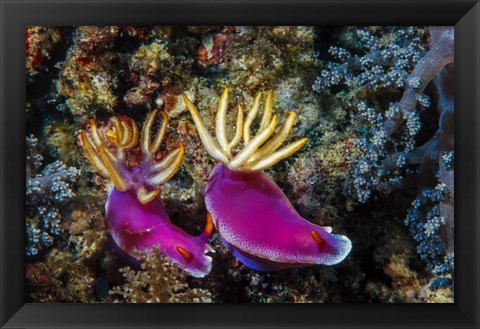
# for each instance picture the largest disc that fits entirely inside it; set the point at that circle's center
(255, 219)
(265, 224)
(136, 219)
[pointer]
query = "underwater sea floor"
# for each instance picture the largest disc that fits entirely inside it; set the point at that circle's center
(376, 104)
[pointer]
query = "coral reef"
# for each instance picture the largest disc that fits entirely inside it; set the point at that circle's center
(60, 277)
(158, 281)
(255, 57)
(395, 151)
(85, 80)
(40, 42)
(46, 192)
(379, 120)
(386, 56)
(151, 71)
(60, 140)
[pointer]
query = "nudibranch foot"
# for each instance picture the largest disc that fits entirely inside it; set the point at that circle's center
(256, 221)
(136, 219)
(257, 263)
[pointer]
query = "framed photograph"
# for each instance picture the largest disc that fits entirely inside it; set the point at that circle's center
(209, 157)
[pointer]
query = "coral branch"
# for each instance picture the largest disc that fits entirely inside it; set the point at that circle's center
(441, 54)
(46, 192)
(158, 281)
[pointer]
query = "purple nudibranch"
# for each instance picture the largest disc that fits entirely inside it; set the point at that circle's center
(132, 226)
(261, 227)
(136, 219)
(256, 221)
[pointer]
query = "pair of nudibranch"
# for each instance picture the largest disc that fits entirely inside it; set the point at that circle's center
(255, 220)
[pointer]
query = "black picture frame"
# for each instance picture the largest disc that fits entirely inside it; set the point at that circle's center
(15, 15)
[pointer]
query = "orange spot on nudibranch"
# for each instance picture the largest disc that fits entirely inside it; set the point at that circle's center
(209, 225)
(317, 238)
(185, 254)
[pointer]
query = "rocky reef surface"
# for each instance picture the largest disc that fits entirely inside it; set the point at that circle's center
(375, 102)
